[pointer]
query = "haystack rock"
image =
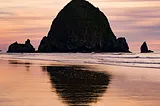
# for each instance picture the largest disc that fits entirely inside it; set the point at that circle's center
(81, 27)
(144, 48)
(21, 48)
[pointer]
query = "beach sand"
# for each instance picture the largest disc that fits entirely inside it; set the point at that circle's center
(43, 83)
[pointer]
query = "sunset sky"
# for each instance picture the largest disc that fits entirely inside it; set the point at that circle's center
(136, 20)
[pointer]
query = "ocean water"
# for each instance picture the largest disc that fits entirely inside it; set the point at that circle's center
(144, 60)
(80, 79)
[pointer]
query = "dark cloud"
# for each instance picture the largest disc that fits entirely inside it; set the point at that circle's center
(30, 30)
(5, 13)
(136, 24)
(26, 18)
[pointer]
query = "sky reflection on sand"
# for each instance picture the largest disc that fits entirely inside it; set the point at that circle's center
(54, 85)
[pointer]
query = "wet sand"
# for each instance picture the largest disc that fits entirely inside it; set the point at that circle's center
(40, 83)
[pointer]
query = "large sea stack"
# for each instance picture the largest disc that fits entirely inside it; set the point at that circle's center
(21, 48)
(81, 27)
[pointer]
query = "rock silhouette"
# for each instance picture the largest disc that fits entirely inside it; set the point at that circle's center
(81, 27)
(21, 48)
(144, 48)
(121, 45)
(76, 85)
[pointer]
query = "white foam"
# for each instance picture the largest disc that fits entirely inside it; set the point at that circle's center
(148, 60)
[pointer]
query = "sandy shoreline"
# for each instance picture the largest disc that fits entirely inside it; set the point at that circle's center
(129, 86)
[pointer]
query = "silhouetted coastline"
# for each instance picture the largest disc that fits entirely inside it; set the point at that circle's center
(78, 27)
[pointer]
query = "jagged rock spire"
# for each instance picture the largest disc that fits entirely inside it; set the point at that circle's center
(144, 48)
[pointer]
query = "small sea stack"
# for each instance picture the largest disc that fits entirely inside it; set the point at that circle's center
(121, 45)
(21, 48)
(144, 48)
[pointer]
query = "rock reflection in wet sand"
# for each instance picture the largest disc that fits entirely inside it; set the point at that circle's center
(78, 86)
(17, 63)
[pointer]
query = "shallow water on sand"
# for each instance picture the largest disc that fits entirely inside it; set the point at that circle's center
(28, 83)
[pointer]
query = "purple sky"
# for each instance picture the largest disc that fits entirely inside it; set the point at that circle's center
(137, 20)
